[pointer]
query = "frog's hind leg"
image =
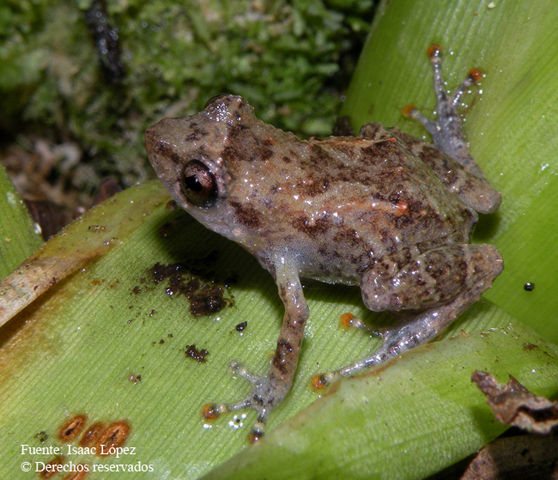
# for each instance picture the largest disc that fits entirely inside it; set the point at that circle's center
(429, 282)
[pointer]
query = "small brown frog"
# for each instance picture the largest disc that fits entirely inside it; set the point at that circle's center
(382, 210)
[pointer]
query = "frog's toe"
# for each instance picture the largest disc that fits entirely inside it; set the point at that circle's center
(237, 369)
(262, 399)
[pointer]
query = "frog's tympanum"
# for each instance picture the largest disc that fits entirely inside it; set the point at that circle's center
(381, 210)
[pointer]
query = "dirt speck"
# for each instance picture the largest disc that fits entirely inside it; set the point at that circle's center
(197, 280)
(166, 230)
(41, 436)
(241, 326)
(197, 354)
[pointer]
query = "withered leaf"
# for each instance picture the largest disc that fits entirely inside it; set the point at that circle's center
(514, 405)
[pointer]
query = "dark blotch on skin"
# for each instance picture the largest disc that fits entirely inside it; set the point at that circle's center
(350, 238)
(165, 150)
(380, 149)
(246, 215)
(280, 359)
(244, 145)
(318, 227)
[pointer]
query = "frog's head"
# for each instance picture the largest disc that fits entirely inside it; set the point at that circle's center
(200, 159)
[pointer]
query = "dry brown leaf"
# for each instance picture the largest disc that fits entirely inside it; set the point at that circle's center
(514, 405)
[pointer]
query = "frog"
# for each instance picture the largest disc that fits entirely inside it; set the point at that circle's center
(382, 210)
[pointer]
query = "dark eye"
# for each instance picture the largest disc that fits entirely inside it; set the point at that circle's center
(198, 184)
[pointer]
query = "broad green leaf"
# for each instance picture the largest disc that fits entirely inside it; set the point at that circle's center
(18, 235)
(417, 415)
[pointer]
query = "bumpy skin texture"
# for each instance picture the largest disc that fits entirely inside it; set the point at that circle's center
(381, 210)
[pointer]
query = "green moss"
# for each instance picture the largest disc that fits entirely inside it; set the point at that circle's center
(287, 59)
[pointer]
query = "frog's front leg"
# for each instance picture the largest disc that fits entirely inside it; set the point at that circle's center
(442, 282)
(268, 391)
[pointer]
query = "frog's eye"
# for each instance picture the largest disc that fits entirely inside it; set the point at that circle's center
(198, 184)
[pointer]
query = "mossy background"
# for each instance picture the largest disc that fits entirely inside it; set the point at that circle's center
(291, 60)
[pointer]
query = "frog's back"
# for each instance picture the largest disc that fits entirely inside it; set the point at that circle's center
(348, 202)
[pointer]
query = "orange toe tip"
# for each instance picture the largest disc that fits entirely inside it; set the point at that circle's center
(210, 411)
(476, 75)
(318, 382)
(255, 436)
(407, 110)
(346, 320)
(434, 50)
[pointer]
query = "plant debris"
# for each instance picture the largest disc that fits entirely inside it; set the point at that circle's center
(198, 355)
(521, 457)
(514, 405)
(196, 279)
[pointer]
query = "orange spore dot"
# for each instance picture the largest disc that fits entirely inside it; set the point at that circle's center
(406, 110)
(318, 382)
(392, 140)
(433, 50)
(475, 74)
(209, 411)
(346, 319)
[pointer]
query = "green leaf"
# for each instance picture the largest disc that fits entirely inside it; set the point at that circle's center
(18, 235)
(416, 415)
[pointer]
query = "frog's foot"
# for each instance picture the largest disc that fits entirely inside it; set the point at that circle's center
(263, 398)
(320, 381)
(395, 341)
(446, 131)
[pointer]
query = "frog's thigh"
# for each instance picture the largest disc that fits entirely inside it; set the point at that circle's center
(433, 278)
